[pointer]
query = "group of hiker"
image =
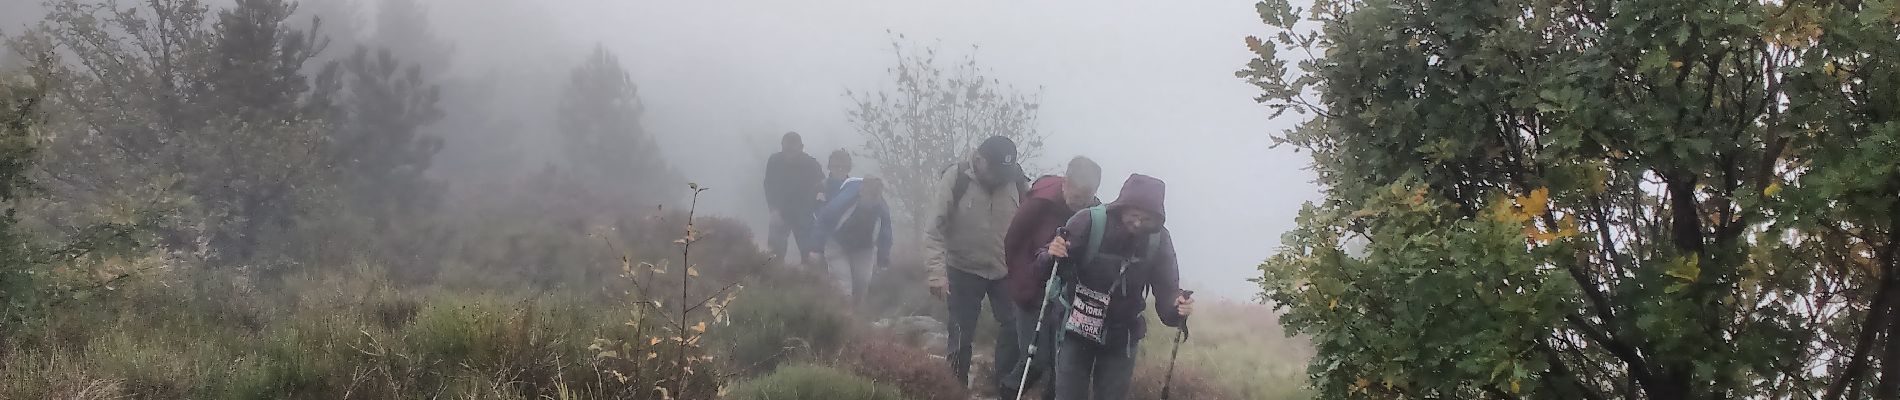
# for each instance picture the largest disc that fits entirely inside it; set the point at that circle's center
(1065, 275)
(829, 214)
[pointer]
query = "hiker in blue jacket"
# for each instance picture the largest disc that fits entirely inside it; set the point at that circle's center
(855, 225)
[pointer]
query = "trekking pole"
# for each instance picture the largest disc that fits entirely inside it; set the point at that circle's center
(1048, 285)
(1182, 336)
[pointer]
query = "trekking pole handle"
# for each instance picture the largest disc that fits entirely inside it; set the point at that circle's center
(1183, 336)
(1062, 232)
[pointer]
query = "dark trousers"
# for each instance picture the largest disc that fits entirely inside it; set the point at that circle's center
(1045, 355)
(796, 229)
(967, 292)
(1106, 369)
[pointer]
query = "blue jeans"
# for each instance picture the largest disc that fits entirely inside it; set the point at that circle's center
(1083, 366)
(967, 292)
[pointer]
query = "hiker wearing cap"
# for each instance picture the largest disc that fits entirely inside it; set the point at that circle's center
(1049, 204)
(963, 249)
(1112, 255)
(793, 184)
(854, 226)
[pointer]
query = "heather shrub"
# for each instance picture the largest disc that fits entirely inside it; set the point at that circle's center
(915, 372)
(784, 316)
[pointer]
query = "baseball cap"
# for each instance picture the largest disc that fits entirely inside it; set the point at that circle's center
(998, 150)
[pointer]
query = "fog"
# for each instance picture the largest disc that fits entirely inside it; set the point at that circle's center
(1141, 87)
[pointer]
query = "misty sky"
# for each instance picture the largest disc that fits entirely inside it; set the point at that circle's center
(1140, 86)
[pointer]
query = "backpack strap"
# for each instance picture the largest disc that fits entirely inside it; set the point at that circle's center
(1098, 225)
(962, 186)
(957, 190)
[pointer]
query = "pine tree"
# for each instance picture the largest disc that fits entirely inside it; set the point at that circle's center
(162, 100)
(599, 118)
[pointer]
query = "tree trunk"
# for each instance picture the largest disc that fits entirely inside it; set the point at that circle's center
(1889, 385)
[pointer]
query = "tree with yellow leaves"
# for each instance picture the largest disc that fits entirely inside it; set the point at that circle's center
(1649, 199)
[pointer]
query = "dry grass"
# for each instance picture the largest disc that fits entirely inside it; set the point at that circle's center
(1237, 351)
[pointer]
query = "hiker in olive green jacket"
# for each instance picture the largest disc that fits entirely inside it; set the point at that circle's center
(963, 249)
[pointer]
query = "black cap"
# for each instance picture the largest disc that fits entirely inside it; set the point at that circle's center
(998, 150)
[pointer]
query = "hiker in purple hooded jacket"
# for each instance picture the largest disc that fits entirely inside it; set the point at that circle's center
(1121, 268)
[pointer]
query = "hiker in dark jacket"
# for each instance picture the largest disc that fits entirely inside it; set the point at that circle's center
(1135, 256)
(792, 187)
(1049, 204)
(855, 226)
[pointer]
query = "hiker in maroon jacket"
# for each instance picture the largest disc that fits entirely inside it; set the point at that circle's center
(1049, 204)
(1136, 255)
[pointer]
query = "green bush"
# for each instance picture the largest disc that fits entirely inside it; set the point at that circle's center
(810, 382)
(783, 317)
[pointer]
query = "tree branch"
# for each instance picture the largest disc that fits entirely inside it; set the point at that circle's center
(1889, 385)
(1879, 315)
(1638, 368)
(1558, 368)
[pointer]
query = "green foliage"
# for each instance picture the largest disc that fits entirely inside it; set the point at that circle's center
(18, 114)
(808, 382)
(36, 273)
(1628, 199)
(167, 103)
(784, 316)
(325, 335)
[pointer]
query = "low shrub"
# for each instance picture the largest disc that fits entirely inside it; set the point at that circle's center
(783, 316)
(899, 291)
(811, 382)
(912, 370)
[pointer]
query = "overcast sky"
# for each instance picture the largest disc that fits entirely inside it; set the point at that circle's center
(1140, 86)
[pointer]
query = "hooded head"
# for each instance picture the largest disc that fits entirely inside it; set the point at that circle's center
(1140, 206)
